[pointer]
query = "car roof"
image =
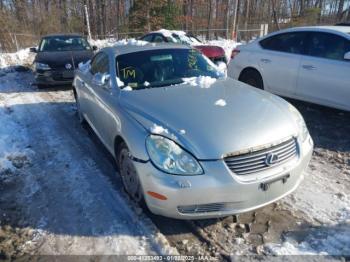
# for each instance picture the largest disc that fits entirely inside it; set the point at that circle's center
(339, 29)
(62, 35)
(142, 46)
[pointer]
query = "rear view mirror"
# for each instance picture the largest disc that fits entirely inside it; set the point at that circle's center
(347, 56)
(94, 48)
(33, 50)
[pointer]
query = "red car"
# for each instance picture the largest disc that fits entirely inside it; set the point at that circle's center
(214, 53)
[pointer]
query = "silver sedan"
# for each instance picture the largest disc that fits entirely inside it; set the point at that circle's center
(187, 140)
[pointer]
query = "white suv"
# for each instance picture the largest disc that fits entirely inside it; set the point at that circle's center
(305, 63)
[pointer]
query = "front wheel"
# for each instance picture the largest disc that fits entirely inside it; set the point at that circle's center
(129, 175)
(253, 78)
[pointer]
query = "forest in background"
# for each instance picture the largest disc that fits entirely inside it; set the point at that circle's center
(26, 19)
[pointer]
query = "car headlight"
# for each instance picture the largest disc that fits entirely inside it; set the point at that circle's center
(303, 131)
(41, 66)
(169, 157)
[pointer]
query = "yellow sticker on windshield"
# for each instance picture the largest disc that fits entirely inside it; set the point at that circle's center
(128, 72)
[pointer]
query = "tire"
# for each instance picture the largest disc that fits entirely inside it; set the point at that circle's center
(79, 114)
(252, 78)
(129, 176)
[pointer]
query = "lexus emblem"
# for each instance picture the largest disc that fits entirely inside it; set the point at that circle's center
(68, 66)
(271, 159)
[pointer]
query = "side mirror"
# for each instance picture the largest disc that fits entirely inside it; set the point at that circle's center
(33, 50)
(347, 56)
(94, 48)
(101, 79)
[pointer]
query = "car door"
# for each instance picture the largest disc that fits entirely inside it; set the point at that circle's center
(324, 76)
(279, 61)
(86, 96)
(104, 99)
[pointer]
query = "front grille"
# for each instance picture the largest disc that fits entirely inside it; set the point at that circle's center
(205, 208)
(256, 161)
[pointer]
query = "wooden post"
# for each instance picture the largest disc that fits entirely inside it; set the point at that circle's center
(87, 21)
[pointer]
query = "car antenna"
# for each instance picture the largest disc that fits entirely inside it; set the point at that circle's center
(71, 55)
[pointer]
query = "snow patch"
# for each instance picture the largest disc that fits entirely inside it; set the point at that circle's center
(227, 45)
(156, 129)
(114, 43)
(120, 83)
(201, 81)
(182, 132)
(23, 56)
(85, 67)
(327, 240)
(127, 88)
(220, 102)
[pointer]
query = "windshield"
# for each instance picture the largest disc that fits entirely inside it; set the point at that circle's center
(165, 67)
(185, 39)
(62, 43)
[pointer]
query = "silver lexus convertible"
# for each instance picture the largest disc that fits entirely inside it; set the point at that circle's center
(187, 140)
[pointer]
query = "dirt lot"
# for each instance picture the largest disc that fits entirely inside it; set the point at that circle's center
(60, 193)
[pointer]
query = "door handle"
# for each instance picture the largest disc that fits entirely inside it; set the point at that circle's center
(309, 67)
(266, 61)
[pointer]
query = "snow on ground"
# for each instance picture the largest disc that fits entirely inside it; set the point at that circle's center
(22, 57)
(326, 203)
(66, 199)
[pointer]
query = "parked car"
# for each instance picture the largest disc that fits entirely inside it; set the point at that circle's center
(306, 63)
(191, 143)
(343, 24)
(214, 53)
(57, 56)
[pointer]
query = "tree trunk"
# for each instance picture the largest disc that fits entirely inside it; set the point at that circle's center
(340, 9)
(209, 18)
(274, 13)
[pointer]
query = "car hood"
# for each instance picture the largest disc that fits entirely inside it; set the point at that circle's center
(61, 58)
(210, 50)
(227, 117)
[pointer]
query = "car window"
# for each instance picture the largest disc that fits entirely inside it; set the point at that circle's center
(100, 64)
(147, 38)
(158, 39)
(164, 67)
(63, 43)
(287, 42)
(327, 45)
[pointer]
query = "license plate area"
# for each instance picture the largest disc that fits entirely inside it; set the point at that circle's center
(68, 74)
(266, 185)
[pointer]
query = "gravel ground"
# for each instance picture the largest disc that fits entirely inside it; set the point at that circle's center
(48, 206)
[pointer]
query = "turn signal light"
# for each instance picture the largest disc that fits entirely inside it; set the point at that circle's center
(157, 196)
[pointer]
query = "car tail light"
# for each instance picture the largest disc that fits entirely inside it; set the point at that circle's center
(234, 53)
